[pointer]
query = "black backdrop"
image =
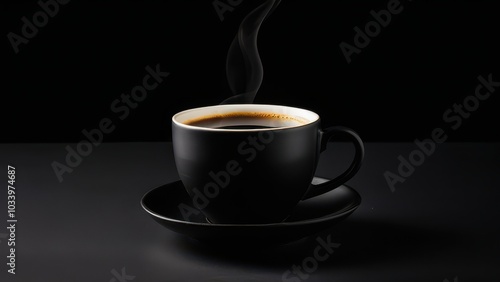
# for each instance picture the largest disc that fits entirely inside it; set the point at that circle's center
(64, 79)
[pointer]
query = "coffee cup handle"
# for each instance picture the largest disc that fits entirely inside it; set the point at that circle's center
(324, 136)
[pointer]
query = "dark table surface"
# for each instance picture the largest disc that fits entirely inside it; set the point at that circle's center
(441, 223)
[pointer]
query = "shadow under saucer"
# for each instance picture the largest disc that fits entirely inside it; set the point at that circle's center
(310, 216)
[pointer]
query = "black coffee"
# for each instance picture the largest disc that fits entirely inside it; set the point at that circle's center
(245, 127)
(245, 120)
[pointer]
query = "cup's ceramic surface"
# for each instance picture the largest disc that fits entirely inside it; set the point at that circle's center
(253, 175)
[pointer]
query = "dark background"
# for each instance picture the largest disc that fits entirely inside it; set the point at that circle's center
(396, 89)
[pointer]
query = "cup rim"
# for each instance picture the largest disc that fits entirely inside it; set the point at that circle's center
(308, 116)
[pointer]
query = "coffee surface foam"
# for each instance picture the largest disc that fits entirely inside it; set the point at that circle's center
(267, 119)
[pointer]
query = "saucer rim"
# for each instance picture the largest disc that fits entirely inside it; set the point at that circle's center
(355, 204)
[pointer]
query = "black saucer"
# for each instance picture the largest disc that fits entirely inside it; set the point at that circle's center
(309, 217)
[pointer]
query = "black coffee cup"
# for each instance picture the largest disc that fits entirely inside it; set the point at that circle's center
(253, 163)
